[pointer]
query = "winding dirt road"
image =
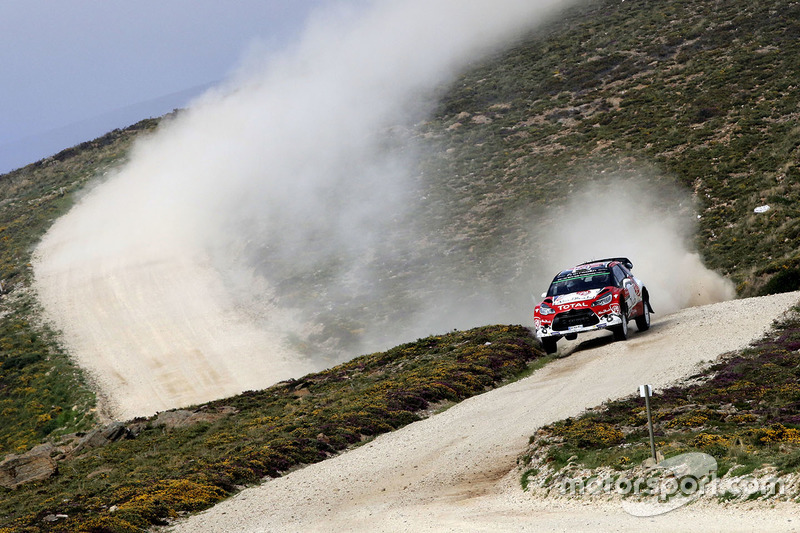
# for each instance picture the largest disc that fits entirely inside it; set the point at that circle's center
(455, 470)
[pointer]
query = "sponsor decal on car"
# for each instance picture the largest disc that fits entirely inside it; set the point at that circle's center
(576, 297)
(576, 305)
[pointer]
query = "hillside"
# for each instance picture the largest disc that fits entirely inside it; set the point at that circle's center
(42, 392)
(690, 107)
(689, 100)
(700, 94)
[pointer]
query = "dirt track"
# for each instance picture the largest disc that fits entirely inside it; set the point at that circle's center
(157, 331)
(454, 471)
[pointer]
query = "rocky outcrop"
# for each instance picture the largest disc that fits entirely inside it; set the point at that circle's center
(100, 437)
(183, 418)
(35, 465)
(41, 462)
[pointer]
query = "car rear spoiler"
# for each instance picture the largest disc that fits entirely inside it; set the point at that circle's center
(624, 260)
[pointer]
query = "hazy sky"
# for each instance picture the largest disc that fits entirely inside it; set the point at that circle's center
(73, 70)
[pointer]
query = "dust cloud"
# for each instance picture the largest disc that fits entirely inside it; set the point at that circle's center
(651, 224)
(270, 229)
(253, 236)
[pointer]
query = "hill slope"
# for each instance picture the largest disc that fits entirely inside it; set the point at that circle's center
(43, 393)
(700, 94)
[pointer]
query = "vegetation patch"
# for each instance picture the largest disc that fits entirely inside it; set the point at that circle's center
(167, 468)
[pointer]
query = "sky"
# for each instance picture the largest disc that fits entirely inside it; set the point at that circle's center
(71, 71)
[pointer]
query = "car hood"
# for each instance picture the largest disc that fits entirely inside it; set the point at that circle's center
(579, 296)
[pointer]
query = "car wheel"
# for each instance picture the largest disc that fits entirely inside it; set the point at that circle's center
(621, 332)
(643, 321)
(549, 345)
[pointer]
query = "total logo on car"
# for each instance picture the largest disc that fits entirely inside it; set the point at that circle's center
(601, 294)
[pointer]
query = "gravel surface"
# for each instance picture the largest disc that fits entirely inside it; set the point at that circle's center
(157, 330)
(455, 470)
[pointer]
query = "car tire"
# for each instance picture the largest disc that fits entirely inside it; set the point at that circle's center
(621, 332)
(549, 345)
(643, 321)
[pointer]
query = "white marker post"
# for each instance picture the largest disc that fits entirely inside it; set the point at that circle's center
(646, 391)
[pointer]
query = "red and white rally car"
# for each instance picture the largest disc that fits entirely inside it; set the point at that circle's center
(600, 294)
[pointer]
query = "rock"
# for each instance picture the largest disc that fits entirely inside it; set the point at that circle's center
(182, 418)
(650, 463)
(101, 437)
(173, 419)
(35, 465)
(694, 464)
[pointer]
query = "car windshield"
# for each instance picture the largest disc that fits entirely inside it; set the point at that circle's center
(575, 282)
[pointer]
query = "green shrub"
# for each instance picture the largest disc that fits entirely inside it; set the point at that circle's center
(784, 281)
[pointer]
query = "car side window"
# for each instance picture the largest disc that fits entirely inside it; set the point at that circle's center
(619, 275)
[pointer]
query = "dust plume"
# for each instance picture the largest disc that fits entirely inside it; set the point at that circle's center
(252, 237)
(651, 224)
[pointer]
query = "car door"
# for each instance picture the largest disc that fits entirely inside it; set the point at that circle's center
(631, 288)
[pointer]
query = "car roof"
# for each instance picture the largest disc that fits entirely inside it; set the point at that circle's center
(594, 267)
(608, 262)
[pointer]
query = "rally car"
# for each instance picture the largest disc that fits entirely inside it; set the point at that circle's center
(596, 295)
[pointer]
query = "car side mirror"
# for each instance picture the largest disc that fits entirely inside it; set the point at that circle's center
(544, 294)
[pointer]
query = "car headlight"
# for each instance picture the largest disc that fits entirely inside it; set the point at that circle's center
(605, 300)
(545, 310)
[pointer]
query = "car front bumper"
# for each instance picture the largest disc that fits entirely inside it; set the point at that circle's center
(607, 321)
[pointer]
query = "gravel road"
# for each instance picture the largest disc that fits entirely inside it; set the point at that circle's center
(455, 470)
(157, 330)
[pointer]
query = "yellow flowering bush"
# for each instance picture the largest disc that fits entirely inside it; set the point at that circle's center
(586, 433)
(776, 433)
(692, 419)
(705, 440)
(743, 418)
